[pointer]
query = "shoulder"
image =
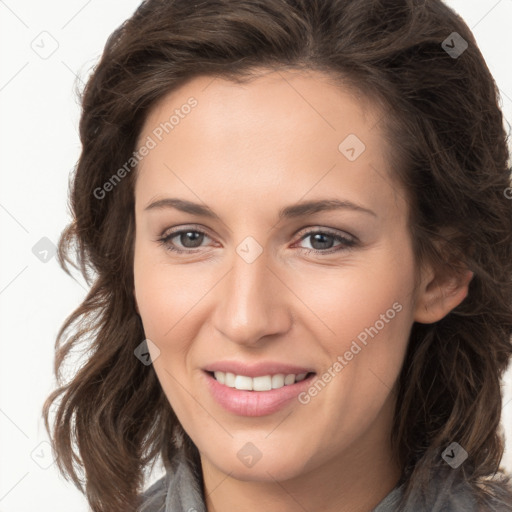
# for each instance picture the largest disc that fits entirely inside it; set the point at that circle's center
(153, 498)
(498, 493)
(449, 493)
(490, 495)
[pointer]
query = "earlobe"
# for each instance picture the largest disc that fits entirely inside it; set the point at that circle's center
(440, 296)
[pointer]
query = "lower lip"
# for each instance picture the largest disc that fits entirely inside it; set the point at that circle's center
(254, 403)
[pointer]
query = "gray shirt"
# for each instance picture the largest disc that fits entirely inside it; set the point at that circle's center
(180, 491)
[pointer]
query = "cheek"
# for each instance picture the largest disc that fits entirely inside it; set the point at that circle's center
(160, 293)
(169, 298)
(369, 313)
(349, 300)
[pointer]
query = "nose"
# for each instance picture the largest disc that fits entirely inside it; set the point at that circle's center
(252, 303)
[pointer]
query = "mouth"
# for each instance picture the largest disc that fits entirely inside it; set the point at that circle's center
(259, 383)
(258, 395)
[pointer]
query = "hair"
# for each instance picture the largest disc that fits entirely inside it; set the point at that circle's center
(448, 151)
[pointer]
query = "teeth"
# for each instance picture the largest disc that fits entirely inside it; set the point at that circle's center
(242, 382)
(263, 383)
(289, 379)
(229, 380)
(221, 377)
(277, 381)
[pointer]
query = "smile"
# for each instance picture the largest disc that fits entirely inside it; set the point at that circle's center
(256, 396)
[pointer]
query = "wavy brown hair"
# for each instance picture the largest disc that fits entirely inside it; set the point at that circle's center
(448, 149)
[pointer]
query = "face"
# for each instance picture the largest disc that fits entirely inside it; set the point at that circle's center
(272, 251)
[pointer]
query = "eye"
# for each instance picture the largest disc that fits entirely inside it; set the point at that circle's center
(322, 241)
(183, 240)
(190, 240)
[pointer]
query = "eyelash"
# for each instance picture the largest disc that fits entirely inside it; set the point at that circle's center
(346, 242)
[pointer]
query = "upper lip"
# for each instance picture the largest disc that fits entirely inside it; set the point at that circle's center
(256, 369)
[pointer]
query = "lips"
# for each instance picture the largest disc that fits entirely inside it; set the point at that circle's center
(256, 390)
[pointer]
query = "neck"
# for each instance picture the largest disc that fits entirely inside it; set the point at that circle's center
(356, 480)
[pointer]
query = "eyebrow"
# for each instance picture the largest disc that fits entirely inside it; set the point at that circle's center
(288, 212)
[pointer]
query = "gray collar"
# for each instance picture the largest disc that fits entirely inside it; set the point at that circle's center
(180, 490)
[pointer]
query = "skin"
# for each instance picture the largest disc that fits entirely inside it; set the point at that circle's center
(247, 151)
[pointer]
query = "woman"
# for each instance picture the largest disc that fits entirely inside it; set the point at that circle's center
(353, 327)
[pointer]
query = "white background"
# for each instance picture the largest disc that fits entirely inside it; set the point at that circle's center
(40, 146)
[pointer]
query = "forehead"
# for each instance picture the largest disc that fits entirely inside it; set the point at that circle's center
(282, 130)
(312, 96)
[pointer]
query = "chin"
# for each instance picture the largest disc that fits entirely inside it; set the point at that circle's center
(270, 467)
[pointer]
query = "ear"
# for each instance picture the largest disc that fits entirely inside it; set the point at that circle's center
(440, 293)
